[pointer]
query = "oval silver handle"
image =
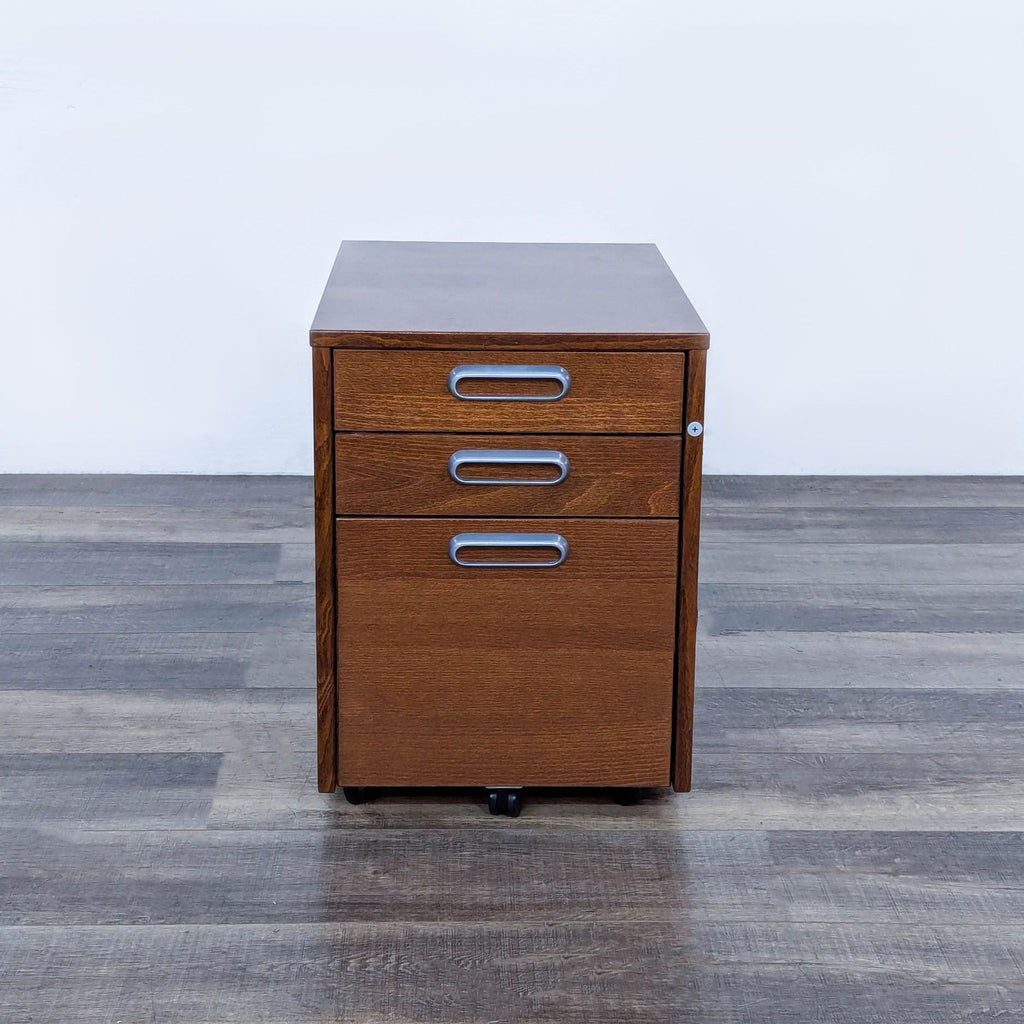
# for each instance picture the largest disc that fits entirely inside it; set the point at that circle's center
(476, 371)
(508, 540)
(508, 457)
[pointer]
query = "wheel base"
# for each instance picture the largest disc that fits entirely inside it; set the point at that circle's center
(505, 801)
(629, 796)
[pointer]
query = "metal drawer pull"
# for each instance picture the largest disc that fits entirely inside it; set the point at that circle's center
(508, 540)
(472, 371)
(508, 457)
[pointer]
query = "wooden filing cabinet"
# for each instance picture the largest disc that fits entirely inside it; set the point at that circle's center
(507, 471)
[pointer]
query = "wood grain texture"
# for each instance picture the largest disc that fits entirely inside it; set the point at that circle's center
(780, 720)
(910, 792)
(109, 790)
(867, 607)
(292, 524)
(143, 720)
(504, 295)
(156, 524)
(689, 548)
(898, 661)
(761, 790)
(323, 523)
(52, 876)
(610, 393)
(466, 676)
(120, 660)
(860, 524)
(407, 474)
(125, 491)
(49, 563)
(284, 493)
(286, 658)
(604, 973)
(167, 608)
(861, 720)
(851, 847)
(877, 492)
(822, 563)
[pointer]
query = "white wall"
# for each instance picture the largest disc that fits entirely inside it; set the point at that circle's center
(840, 188)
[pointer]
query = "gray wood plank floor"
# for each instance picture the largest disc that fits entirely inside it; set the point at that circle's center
(853, 849)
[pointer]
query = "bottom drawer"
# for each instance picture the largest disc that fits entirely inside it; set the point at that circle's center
(475, 675)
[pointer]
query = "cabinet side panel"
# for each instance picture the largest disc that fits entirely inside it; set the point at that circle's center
(693, 448)
(323, 496)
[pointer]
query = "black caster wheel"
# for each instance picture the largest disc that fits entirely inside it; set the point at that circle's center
(356, 794)
(629, 796)
(505, 801)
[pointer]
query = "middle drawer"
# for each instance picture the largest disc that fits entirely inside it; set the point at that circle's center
(506, 475)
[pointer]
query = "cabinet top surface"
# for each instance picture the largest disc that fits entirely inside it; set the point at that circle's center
(382, 291)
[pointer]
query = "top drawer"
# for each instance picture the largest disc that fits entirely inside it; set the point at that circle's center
(527, 392)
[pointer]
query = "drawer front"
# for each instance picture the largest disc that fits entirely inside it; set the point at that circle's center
(531, 474)
(550, 392)
(455, 674)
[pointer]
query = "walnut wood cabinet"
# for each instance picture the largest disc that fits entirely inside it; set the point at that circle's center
(507, 443)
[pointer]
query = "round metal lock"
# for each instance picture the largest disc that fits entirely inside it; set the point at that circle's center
(695, 429)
